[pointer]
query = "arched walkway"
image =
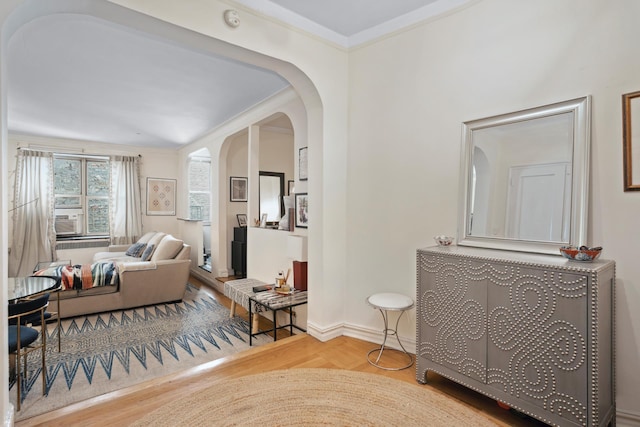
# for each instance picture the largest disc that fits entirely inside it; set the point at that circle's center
(15, 13)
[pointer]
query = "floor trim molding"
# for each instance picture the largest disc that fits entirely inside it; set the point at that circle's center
(627, 418)
(371, 335)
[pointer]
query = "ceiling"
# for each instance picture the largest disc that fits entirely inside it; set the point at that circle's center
(76, 77)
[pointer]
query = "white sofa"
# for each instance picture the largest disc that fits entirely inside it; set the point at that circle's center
(163, 277)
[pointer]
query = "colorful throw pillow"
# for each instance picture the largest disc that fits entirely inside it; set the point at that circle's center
(146, 255)
(136, 250)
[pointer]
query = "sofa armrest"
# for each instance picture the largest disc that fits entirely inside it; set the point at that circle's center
(118, 248)
(136, 266)
(166, 282)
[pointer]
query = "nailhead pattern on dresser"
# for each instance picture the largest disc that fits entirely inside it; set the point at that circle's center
(533, 331)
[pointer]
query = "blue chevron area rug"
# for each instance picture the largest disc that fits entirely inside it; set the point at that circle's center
(110, 351)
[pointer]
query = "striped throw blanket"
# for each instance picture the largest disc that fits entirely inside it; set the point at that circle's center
(85, 276)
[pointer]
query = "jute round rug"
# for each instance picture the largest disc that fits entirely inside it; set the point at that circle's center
(312, 397)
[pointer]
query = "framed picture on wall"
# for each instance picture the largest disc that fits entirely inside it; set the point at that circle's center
(290, 186)
(303, 163)
(302, 210)
(161, 196)
(238, 188)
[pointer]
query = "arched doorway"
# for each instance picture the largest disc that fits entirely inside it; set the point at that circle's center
(14, 14)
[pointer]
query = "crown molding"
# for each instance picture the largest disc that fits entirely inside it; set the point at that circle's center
(280, 13)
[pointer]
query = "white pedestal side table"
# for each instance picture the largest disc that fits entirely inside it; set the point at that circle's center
(386, 302)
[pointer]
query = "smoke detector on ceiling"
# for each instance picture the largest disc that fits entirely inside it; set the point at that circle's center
(232, 18)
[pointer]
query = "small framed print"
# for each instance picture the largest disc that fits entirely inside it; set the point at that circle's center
(242, 220)
(238, 189)
(290, 187)
(302, 210)
(161, 196)
(303, 164)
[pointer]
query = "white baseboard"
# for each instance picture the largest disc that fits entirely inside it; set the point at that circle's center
(208, 279)
(324, 334)
(627, 418)
(9, 416)
(354, 331)
(376, 336)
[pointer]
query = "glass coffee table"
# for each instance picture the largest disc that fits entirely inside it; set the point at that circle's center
(23, 287)
(30, 286)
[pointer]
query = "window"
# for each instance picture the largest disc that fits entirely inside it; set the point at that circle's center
(81, 188)
(199, 188)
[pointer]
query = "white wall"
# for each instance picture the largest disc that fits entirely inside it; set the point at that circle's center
(277, 153)
(266, 256)
(236, 166)
(409, 95)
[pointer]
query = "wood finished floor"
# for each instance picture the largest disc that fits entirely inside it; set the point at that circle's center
(125, 406)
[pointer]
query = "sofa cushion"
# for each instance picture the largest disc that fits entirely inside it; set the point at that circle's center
(114, 256)
(147, 237)
(156, 239)
(168, 248)
(136, 249)
(146, 255)
(102, 256)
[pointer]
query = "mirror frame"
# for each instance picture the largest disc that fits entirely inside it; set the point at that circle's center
(627, 141)
(581, 110)
(281, 176)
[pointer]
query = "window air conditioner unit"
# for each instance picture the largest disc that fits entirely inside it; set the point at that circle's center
(68, 224)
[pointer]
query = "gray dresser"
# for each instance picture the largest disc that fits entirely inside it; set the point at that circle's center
(533, 331)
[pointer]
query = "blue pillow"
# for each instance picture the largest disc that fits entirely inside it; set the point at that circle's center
(136, 249)
(146, 255)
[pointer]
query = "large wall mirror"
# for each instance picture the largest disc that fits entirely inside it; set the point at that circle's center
(271, 192)
(525, 179)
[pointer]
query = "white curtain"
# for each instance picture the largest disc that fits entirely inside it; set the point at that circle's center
(33, 214)
(126, 205)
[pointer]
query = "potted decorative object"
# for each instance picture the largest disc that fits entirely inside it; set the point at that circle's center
(582, 253)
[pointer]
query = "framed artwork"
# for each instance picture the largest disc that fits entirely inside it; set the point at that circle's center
(303, 171)
(631, 141)
(302, 210)
(238, 189)
(161, 196)
(290, 186)
(242, 220)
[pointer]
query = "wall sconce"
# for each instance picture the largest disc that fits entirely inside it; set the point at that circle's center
(232, 18)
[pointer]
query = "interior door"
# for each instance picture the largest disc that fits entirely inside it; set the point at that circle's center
(537, 208)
